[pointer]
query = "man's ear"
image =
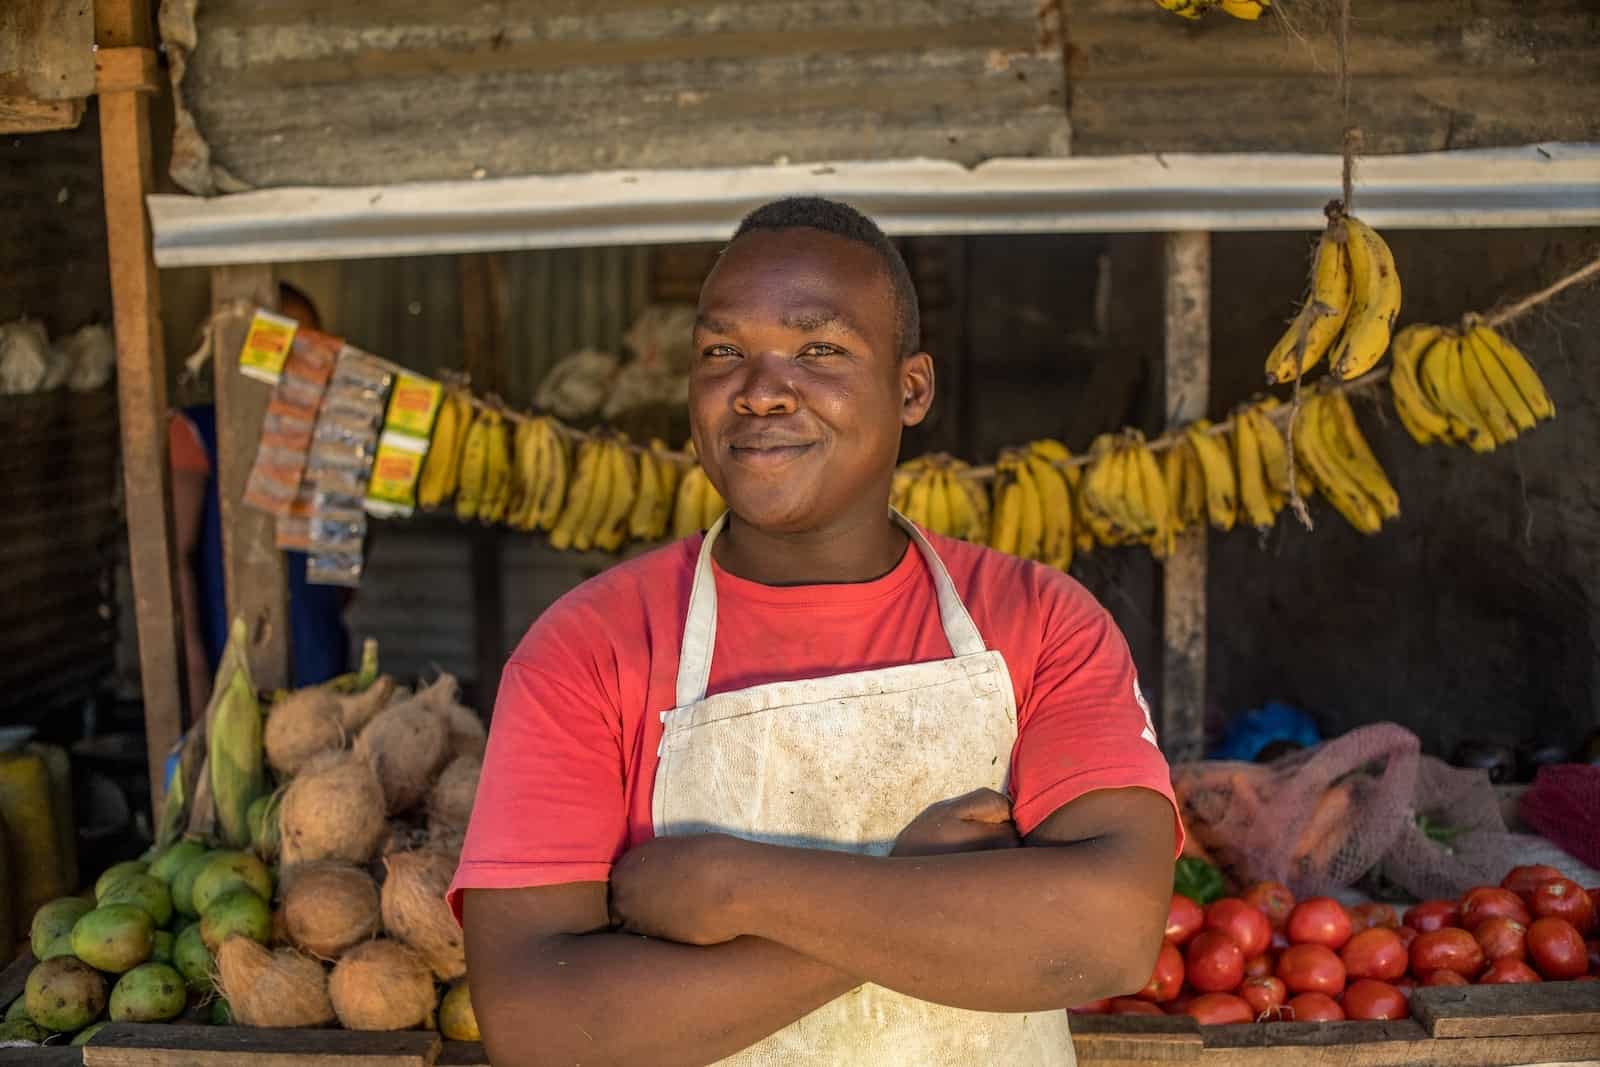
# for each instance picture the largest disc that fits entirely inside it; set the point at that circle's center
(916, 384)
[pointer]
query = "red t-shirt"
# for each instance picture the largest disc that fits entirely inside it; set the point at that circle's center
(571, 763)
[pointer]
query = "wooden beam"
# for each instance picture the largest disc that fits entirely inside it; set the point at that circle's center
(126, 70)
(253, 566)
(125, 158)
(1510, 1010)
(23, 114)
(1187, 258)
(161, 1044)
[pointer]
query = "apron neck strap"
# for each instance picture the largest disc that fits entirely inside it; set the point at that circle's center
(700, 624)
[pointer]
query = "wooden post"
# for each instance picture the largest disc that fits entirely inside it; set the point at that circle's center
(1187, 258)
(483, 328)
(125, 159)
(253, 567)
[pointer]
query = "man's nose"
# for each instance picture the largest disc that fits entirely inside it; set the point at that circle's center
(767, 388)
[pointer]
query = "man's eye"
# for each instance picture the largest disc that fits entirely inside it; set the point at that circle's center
(720, 352)
(819, 350)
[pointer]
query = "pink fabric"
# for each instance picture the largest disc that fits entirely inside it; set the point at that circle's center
(568, 776)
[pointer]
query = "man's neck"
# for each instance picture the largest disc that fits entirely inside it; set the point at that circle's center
(858, 549)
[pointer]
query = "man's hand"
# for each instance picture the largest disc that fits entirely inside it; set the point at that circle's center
(679, 889)
(974, 822)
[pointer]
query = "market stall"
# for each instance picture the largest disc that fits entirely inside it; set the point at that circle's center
(320, 436)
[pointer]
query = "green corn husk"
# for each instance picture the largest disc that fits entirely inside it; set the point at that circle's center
(357, 681)
(237, 761)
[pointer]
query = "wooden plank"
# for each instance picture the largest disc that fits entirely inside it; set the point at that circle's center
(253, 567)
(1188, 388)
(57, 1056)
(1510, 1010)
(23, 114)
(47, 49)
(462, 1054)
(126, 70)
(1140, 1038)
(163, 1045)
(142, 393)
(1394, 1044)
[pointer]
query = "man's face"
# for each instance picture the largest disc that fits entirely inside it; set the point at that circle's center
(797, 395)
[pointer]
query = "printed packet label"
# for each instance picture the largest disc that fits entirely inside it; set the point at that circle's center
(266, 346)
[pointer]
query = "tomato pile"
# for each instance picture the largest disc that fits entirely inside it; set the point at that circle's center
(1264, 956)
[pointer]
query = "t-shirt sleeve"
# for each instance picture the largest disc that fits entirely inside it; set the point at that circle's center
(550, 806)
(1085, 724)
(184, 446)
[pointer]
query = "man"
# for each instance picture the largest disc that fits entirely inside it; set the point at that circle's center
(318, 640)
(921, 810)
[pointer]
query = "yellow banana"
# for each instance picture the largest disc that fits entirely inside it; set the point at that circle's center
(520, 490)
(1480, 438)
(1483, 396)
(1030, 535)
(977, 495)
(1374, 302)
(1505, 390)
(1056, 500)
(641, 520)
(1222, 491)
(1153, 489)
(474, 468)
(1189, 9)
(919, 506)
(690, 503)
(1321, 317)
(1521, 372)
(1274, 451)
(1172, 479)
(1251, 472)
(963, 516)
(1433, 374)
(580, 502)
(613, 528)
(1336, 486)
(598, 504)
(1248, 10)
(497, 481)
(670, 474)
(939, 501)
(900, 488)
(442, 456)
(1006, 532)
(1348, 448)
(1140, 526)
(1421, 419)
(557, 474)
(711, 506)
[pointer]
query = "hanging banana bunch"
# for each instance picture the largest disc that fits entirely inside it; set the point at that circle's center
(1124, 498)
(1468, 386)
(1355, 298)
(441, 470)
(1248, 10)
(936, 493)
(1328, 440)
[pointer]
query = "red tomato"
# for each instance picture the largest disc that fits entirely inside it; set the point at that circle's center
(1433, 978)
(1502, 938)
(1557, 949)
(1562, 898)
(1524, 880)
(1133, 1006)
(1184, 919)
(1214, 963)
(1273, 899)
(1311, 969)
(1368, 998)
(1215, 1009)
(1313, 1008)
(1450, 949)
(1094, 1007)
(1263, 966)
(1244, 924)
(1166, 981)
(1264, 995)
(1375, 953)
(1433, 915)
(1487, 901)
(1406, 935)
(1367, 916)
(1508, 972)
(1319, 921)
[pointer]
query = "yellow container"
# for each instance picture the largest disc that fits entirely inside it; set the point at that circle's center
(59, 768)
(34, 848)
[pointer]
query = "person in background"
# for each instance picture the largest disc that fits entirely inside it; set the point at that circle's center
(319, 644)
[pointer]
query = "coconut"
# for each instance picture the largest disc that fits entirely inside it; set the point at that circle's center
(333, 810)
(468, 735)
(407, 744)
(450, 803)
(401, 836)
(328, 907)
(381, 985)
(414, 909)
(266, 988)
(300, 726)
(357, 709)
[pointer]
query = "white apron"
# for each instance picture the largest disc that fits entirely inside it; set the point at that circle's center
(845, 762)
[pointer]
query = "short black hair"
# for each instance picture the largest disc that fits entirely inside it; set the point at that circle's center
(842, 220)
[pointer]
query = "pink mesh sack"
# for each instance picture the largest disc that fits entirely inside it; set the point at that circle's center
(1564, 805)
(1453, 836)
(1316, 820)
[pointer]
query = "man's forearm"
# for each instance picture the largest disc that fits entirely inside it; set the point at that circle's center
(1012, 930)
(610, 998)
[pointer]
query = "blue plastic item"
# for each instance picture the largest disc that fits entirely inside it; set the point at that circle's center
(1247, 734)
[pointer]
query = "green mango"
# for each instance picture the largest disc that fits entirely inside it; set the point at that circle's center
(150, 993)
(161, 951)
(183, 884)
(116, 872)
(166, 865)
(238, 911)
(193, 960)
(64, 994)
(225, 871)
(51, 932)
(142, 891)
(114, 938)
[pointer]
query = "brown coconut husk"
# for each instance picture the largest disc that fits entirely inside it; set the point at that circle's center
(450, 803)
(414, 909)
(445, 838)
(328, 907)
(301, 725)
(401, 836)
(332, 810)
(278, 989)
(381, 985)
(468, 735)
(358, 709)
(407, 744)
